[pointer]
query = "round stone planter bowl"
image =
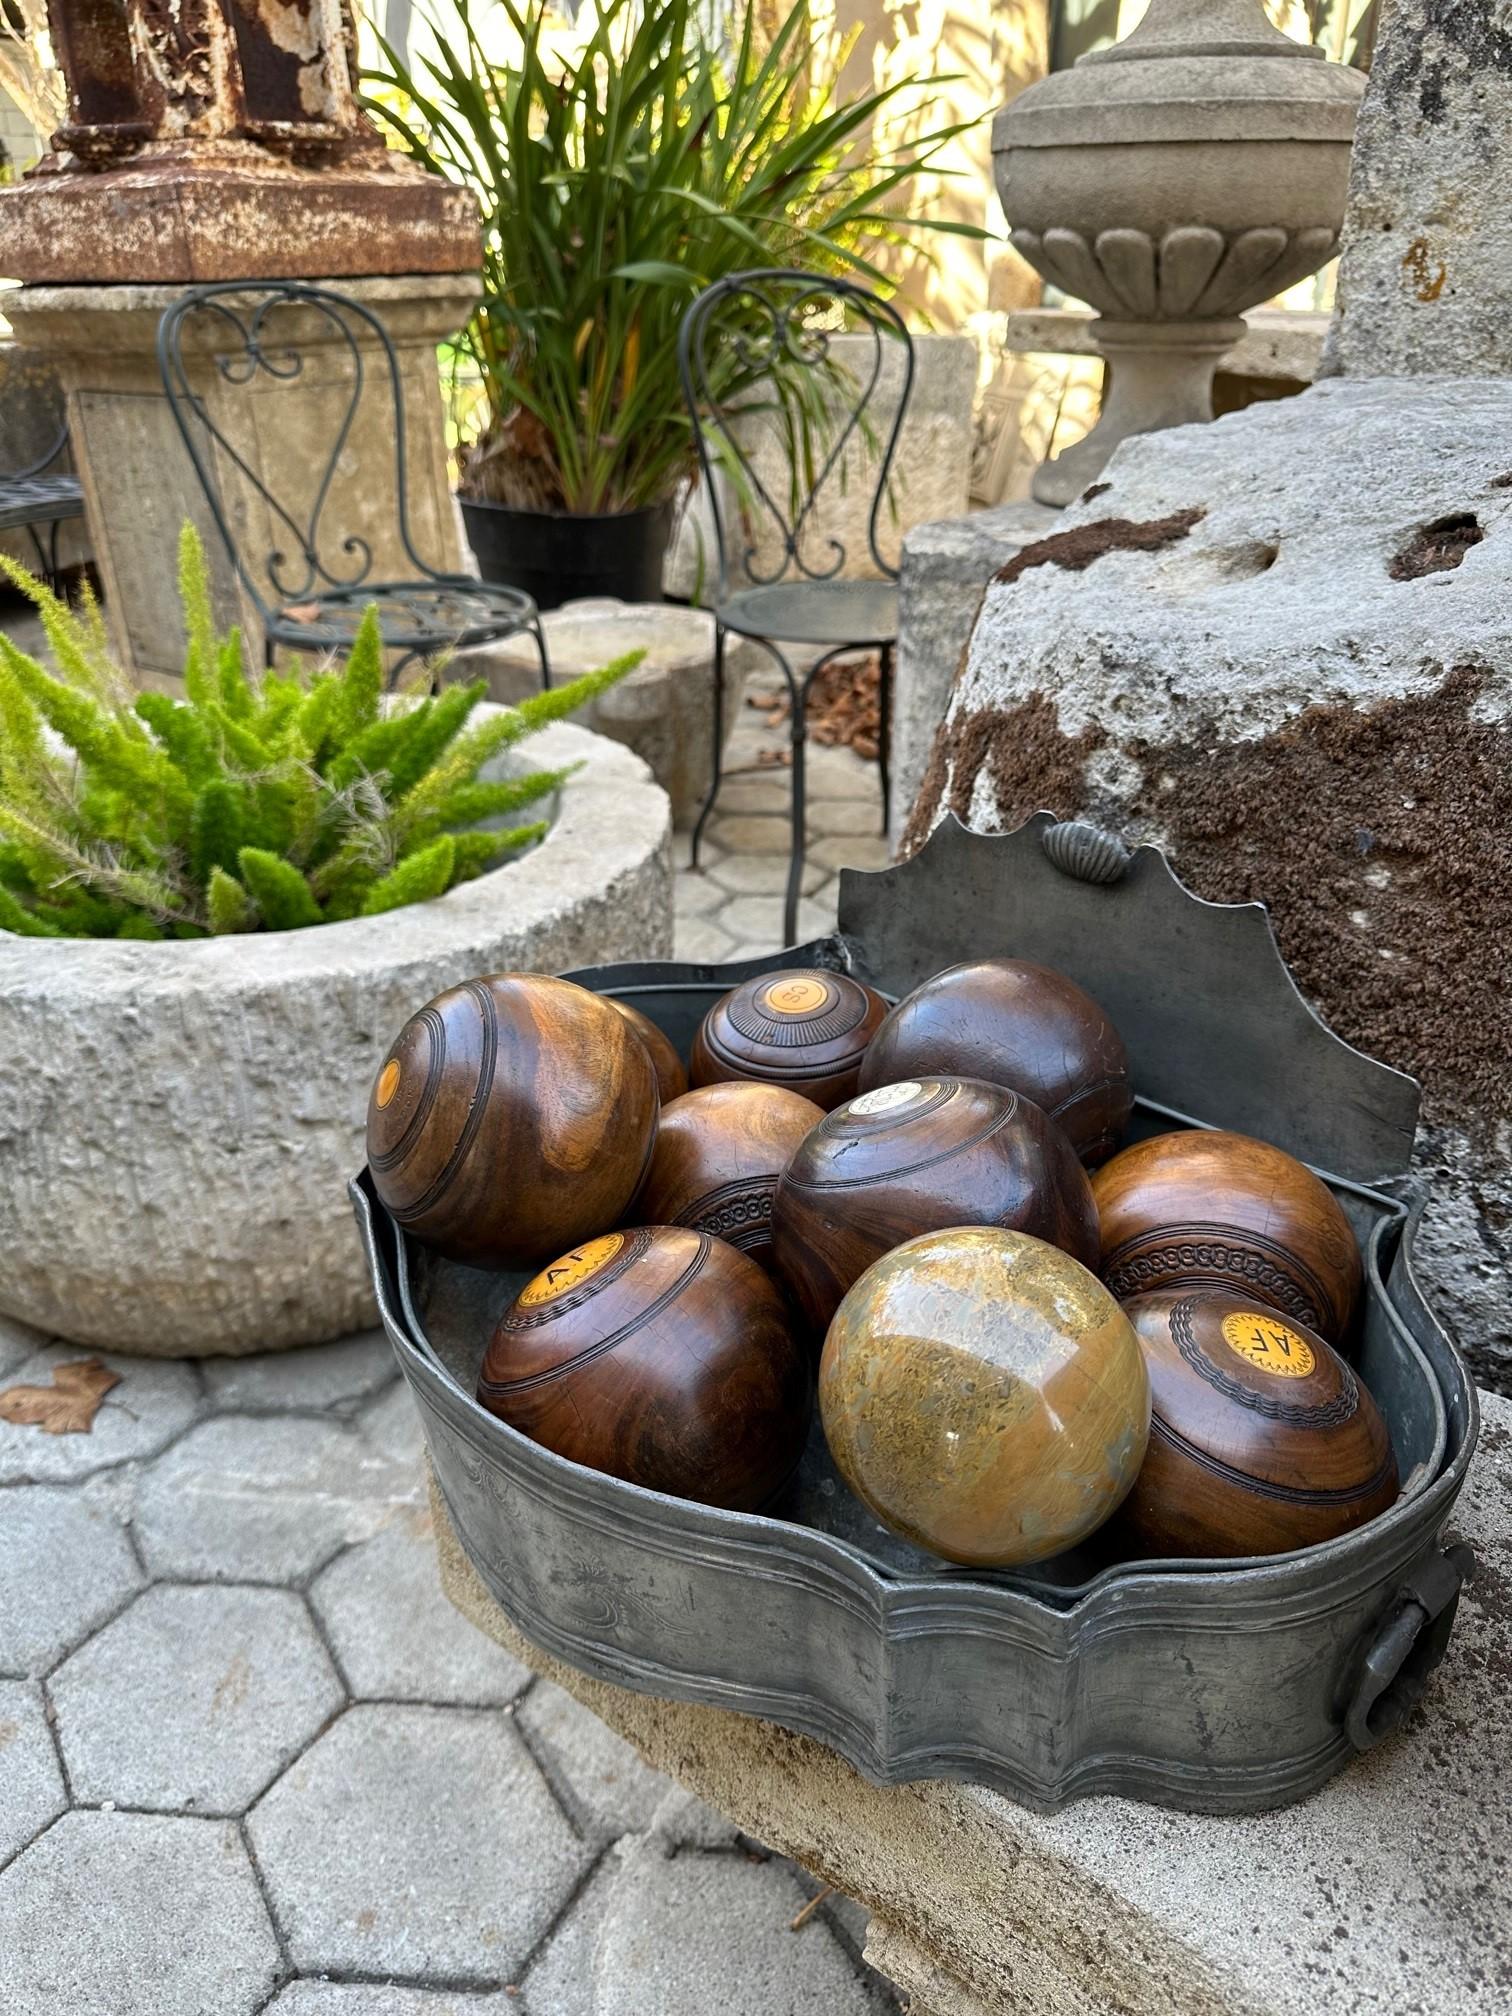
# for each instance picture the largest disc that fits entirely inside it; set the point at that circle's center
(178, 1122)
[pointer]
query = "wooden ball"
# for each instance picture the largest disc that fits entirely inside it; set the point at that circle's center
(659, 1355)
(985, 1396)
(917, 1157)
(807, 1030)
(1191, 1208)
(719, 1151)
(1262, 1440)
(1016, 1024)
(671, 1078)
(513, 1113)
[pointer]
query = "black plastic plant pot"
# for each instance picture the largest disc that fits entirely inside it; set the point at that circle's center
(559, 557)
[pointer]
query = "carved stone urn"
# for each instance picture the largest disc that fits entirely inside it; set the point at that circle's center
(1188, 173)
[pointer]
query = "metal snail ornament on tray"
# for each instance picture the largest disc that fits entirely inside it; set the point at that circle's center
(1263, 1439)
(719, 1152)
(659, 1355)
(805, 1029)
(917, 1157)
(512, 1114)
(1200, 1208)
(1017, 1024)
(985, 1395)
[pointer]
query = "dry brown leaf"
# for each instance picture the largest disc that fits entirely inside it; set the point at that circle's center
(68, 1406)
(301, 612)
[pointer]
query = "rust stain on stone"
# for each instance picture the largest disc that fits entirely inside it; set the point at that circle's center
(1426, 275)
(1437, 548)
(1078, 548)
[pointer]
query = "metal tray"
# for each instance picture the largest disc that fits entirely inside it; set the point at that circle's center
(1232, 1688)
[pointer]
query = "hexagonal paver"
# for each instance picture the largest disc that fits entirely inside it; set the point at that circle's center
(415, 1841)
(132, 1914)
(391, 1423)
(846, 815)
(155, 1400)
(609, 1787)
(250, 1499)
(710, 1932)
(700, 939)
(194, 1698)
(758, 919)
(324, 1376)
(65, 1564)
(395, 1634)
(560, 1979)
(31, 1784)
(766, 874)
(345, 1998)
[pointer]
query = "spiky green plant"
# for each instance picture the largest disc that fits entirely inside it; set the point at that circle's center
(255, 803)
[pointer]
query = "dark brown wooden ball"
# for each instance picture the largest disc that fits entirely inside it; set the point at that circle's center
(671, 1077)
(1016, 1024)
(1194, 1207)
(1262, 1439)
(514, 1113)
(805, 1029)
(918, 1157)
(659, 1355)
(719, 1151)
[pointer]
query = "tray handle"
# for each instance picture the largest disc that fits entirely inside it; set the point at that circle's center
(1408, 1646)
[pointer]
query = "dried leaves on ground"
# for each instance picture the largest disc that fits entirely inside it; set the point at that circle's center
(68, 1406)
(844, 708)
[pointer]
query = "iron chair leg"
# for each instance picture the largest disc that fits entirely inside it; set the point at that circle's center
(716, 767)
(884, 732)
(537, 631)
(800, 781)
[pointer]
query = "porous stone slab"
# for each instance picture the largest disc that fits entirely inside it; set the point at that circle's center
(395, 1635)
(267, 1498)
(323, 1376)
(1383, 1892)
(1425, 282)
(688, 1934)
(415, 1841)
(1281, 647)
(193, 1699)
(663, 710)
(947, 564)
(200, 1107)
(140, 1415)
(133, 1914)
(31, 1783)
(602, 1780)
(65, 1565)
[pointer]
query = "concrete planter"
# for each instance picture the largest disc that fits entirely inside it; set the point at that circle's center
(180, 1120)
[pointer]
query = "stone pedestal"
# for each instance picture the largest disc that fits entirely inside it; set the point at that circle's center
(139, 485)
(946, 568)
(1382, 1893)
(664, 710)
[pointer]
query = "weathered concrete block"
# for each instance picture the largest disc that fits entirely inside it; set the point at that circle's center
(181, 1120)
(947, 565)
(663, 710)
(1425, 283)
(1281, 648)
(1380, 1893)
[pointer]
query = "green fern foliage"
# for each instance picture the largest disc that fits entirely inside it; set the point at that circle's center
(257, 802)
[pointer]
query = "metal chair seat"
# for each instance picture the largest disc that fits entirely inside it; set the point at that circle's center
(855, 613)
(449, 611)
(39, 500)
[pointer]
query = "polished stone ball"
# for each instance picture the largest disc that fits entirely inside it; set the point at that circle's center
(984, 1394)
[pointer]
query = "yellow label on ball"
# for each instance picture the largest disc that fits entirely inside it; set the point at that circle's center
(1268, 1344)
(886, 1097)
(572, 1270)
(388, 1082)
(795, 997)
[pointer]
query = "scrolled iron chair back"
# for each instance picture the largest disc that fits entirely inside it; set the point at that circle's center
(245, 326)
(750, 332)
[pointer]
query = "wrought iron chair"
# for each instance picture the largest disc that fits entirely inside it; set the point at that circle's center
(794, 595)
(39, 497)
(311, 595)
